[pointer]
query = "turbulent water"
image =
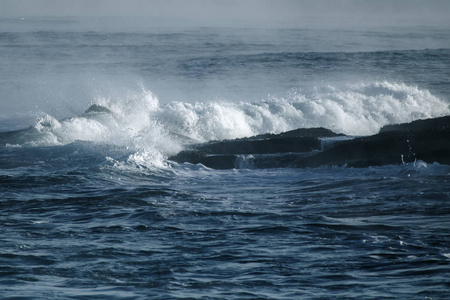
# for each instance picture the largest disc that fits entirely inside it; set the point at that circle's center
(91, 207)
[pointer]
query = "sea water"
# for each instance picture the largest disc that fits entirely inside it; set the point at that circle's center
(91, 207)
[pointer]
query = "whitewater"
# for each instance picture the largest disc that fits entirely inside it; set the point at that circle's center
(92, 206)
(139, 121)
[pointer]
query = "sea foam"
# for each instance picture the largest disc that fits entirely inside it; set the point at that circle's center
(354, 109)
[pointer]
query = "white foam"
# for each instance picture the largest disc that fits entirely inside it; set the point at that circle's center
(354, 109)
(129, 121)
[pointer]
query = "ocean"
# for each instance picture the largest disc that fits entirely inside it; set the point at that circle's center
(91, 206)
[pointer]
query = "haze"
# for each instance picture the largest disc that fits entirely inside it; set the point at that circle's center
(283, 13)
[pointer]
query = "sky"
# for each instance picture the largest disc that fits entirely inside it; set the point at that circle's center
(241, 12)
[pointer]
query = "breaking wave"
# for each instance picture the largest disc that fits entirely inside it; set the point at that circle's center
(356, 109)
(138, 121)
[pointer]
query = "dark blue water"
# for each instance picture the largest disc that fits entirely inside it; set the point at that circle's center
(91, 208)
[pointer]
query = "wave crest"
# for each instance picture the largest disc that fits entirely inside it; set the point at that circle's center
(355, 109)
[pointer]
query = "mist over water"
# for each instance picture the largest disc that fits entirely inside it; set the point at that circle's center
(250, 13)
